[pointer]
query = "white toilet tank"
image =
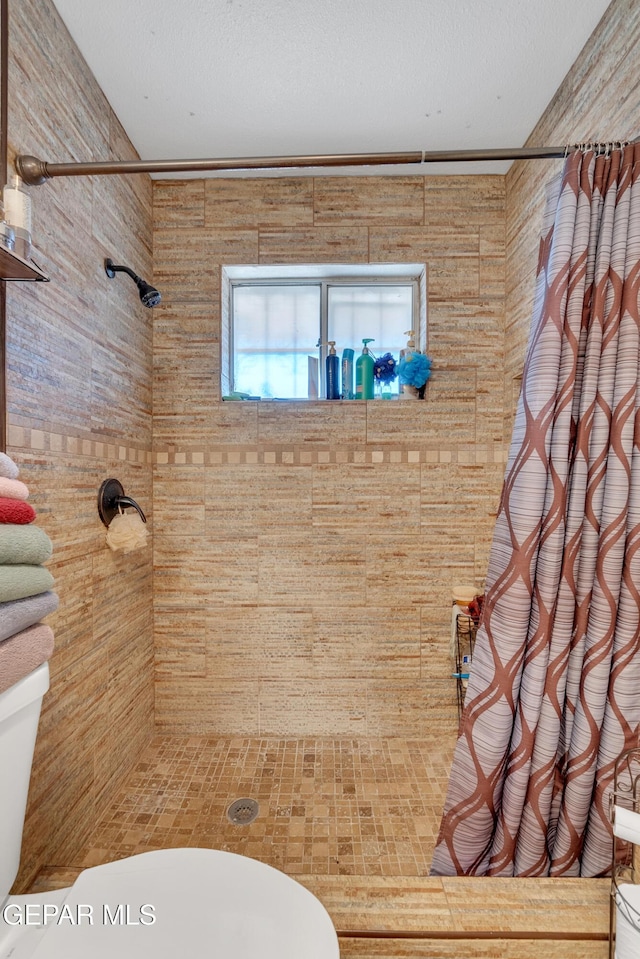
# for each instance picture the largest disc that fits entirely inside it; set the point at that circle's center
(19, 714)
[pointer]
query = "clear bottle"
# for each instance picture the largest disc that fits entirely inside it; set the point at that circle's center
(17, 208)
(332, 380)
(406, 390)
(364, 373)
(7, 234)
(411, 344)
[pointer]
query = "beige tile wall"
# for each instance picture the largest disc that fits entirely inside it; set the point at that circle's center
(79, 410)
(479, 239)
(305, 552)
(310, 490)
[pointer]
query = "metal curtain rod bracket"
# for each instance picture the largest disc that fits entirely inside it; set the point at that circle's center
(34, 171)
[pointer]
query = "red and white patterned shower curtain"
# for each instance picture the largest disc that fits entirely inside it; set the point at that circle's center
(554, 693)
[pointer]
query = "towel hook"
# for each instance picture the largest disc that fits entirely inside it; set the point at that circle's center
(111, 500)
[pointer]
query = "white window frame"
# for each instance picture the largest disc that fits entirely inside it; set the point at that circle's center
(323, 276)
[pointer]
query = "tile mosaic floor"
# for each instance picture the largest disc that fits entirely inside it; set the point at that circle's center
(327, 807)
(355, 821)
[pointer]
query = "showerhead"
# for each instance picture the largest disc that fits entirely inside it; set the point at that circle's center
(148, 294)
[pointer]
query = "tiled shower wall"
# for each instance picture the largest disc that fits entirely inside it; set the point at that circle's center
(304, 552)
(79, 411)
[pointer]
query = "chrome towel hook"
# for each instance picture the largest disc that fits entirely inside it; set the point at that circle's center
(111, 500)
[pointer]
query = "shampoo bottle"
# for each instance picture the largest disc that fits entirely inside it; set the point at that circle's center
(347, 375)
(411, 344)
(364, 373)
(406, 391)
(332, 383)
(407, 356)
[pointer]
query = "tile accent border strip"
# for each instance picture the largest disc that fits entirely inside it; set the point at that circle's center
(296, 456)
(43, 441)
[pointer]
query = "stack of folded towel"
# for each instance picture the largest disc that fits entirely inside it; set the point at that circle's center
(25, 584)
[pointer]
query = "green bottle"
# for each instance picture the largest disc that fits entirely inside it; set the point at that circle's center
(364, 373)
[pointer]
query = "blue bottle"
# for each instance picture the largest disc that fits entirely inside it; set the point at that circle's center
(332, 383)
(347, 375)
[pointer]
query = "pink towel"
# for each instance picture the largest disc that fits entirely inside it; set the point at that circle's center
(16, 511)
(13, 488)
(23, 653)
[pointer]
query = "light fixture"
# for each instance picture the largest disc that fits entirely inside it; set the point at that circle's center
(148, 294)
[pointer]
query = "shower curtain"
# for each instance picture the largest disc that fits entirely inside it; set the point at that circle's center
(554, 692)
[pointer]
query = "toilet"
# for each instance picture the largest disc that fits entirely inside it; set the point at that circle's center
(161, 905)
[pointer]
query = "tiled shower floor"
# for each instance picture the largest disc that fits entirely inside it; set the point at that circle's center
(335, 809)
(327, 807)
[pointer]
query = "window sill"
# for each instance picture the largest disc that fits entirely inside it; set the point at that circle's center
(319, 400)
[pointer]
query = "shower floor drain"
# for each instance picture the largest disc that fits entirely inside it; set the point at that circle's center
(242, 812)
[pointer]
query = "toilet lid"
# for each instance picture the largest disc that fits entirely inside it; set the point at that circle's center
(189, 902)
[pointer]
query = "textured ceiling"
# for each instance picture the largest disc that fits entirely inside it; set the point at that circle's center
(229, 78)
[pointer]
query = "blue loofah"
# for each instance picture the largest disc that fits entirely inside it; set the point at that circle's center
(414, 369)
(384, 369)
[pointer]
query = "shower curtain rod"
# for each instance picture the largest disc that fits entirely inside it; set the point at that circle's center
(34, 171)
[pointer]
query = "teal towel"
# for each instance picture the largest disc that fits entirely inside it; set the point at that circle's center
(19, 581)
(23, 544)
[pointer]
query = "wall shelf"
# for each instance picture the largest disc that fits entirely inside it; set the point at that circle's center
(14, 267)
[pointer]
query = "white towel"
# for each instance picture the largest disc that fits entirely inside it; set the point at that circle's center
(7, 467)
(626, 825)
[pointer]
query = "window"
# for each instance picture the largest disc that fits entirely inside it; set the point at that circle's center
(275, 331)
(277, 322)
